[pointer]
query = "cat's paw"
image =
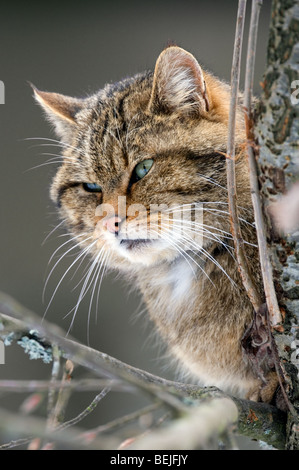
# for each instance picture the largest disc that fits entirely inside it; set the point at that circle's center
(264, 392)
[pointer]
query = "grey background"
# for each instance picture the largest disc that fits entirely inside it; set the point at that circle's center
(75, 48)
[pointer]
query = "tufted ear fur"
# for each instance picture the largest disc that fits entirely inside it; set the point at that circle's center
(61, 111)
(178, 84)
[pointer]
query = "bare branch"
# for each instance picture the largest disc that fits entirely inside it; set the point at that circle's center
(197, 429)
(51, 392)
(178, 396)
(83, 385)
(266, 267)
(58, 410)
(230, 164)
(20, 426)
(99, 363)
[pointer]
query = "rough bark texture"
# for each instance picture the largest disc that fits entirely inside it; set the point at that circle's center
(277, 133)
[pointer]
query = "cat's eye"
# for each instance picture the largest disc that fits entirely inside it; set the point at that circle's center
(92, 187)
(142, 169)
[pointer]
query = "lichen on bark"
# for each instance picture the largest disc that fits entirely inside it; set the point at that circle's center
(277, 134)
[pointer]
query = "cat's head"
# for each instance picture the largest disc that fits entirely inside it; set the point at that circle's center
(143, 176)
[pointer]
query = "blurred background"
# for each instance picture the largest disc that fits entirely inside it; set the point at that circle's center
(75, 48)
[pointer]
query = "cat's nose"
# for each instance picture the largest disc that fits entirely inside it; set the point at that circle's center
(112, 224)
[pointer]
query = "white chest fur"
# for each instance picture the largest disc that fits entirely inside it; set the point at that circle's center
(179, 278)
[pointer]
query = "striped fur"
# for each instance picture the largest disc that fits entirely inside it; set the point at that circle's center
(178, 117)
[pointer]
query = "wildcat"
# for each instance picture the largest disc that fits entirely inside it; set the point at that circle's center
(158, 139)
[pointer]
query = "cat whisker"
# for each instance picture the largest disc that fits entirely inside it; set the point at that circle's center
(219, 212)
(52, 231)
(65, 273)
(209, 256)
(56, 264)
(97, 281)
(227, 235)
(200, 229)
(92, 272)
(57, 143)
(101, 279)
(199, 206)
(176, 243)
(200, 203)
(51, 162)
(193, 223)
(172, 242)
(85, 272)
(200, 249)
(211, 180)
(65, 243)
(204, 232)
(226, 204)
(62, 157)
(227, 213)
(201, 225)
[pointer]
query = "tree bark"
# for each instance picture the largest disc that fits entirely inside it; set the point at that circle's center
(277, 135)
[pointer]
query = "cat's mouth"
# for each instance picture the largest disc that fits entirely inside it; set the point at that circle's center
(143, 251)
(131, 244)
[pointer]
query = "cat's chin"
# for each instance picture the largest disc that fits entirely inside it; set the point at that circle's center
(144, 252)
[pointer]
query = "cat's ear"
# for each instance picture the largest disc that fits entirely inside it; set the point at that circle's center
(61, 111)
(178, 83)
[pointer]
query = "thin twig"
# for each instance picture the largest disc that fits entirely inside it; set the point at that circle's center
(64, 393)
(52, 391)
(83, 385)
(85, 412)
(16, 443)
(119, 422)
(266, 267)
(230, 163)
(20, 426)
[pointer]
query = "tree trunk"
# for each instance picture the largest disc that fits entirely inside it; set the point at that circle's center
(277, 134)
